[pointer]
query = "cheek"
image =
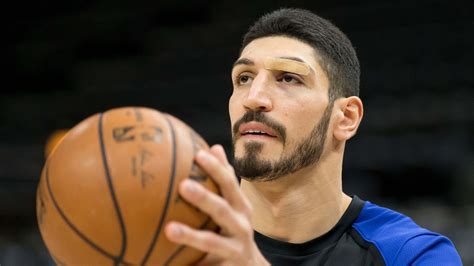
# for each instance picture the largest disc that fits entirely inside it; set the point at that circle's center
(233, 108)
(301, 117)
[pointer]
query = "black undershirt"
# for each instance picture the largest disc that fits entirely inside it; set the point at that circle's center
(342, 245)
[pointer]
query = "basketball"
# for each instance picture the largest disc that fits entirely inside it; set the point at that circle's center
(110, 186)
(53, 140)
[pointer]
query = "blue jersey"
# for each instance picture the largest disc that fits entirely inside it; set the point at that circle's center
(366, 234)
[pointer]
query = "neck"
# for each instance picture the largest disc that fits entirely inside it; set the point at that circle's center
(301, 206)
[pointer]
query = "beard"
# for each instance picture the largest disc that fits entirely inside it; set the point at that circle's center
(307, 152)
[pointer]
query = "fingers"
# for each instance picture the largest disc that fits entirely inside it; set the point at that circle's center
(216, 207)
(218, 151)
(231, 211)
(205, 241)
(224, 176)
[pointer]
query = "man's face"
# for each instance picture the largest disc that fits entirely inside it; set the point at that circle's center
(278, 109)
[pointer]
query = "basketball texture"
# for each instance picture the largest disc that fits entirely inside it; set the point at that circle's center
(108, 189)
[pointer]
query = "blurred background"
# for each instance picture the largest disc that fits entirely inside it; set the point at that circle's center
(66, 60)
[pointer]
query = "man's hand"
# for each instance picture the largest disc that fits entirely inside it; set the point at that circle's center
(235, 244)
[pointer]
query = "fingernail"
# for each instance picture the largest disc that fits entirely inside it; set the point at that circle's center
(175, 230)
(190, 186)
(203, 155)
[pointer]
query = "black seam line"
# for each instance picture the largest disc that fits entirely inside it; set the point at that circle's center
(71, 225)
(182, 247)
(172, 256)
(123, 231)
(168, 195)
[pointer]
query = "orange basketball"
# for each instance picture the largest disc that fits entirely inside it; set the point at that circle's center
(53, 140)
(110, 186)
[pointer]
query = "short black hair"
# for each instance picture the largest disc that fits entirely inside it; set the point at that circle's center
(338, 57)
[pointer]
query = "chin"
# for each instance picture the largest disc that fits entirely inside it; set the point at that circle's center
(255, 149)
(239, 152)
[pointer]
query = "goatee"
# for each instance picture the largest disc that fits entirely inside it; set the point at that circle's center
(306, 153)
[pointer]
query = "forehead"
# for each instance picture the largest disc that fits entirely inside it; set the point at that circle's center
(279, 46)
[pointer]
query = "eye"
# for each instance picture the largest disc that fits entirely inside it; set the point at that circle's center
(290, 79)
(243, 79)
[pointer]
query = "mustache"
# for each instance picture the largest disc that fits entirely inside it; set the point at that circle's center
(250, 116)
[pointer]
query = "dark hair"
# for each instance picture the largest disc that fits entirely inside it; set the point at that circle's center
(338, 57)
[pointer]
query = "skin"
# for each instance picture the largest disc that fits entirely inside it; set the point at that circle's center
(286, 65)
(297, 207)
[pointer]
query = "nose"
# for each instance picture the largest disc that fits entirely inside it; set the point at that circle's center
(258, 97)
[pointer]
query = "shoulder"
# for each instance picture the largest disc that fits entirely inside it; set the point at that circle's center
(400, 241)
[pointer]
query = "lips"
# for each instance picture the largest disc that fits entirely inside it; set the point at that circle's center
(254, 125)
(256, 129)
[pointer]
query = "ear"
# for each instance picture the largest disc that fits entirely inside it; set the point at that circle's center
(349, 112)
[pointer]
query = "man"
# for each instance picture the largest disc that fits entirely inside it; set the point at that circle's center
(294, 105)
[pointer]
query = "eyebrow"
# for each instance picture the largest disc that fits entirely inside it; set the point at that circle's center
(243, 61)
(248, 62)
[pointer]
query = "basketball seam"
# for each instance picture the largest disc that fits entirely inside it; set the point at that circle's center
(168, 195)
(112, 193)
(71, 225)
(182, 247)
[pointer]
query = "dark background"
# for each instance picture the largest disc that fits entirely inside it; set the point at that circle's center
(66, 60)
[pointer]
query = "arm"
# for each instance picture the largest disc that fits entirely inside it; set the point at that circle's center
(235, 244)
